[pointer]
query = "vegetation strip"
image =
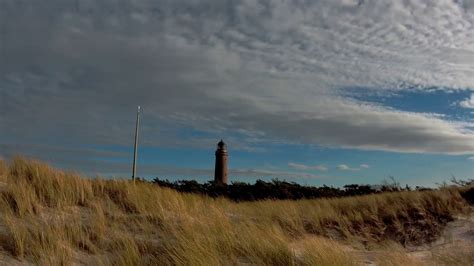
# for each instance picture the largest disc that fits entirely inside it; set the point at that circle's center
(54, 217)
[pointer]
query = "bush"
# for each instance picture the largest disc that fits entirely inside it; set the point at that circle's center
(468, 195)
(275, 189)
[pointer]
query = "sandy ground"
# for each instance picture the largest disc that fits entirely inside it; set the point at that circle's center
(454, 247)
(457, 239)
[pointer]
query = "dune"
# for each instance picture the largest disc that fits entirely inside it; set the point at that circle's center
(52, 217)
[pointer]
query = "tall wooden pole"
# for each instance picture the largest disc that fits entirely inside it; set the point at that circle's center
(135, 152)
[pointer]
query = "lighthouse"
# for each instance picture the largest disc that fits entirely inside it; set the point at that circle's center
(220, 173)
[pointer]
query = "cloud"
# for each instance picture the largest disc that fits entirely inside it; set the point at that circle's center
(256, 71)
(307, 167)
(468, 103)
(345, 167)
(275, 174)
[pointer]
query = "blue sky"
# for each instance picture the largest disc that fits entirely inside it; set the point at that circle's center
(316, 92)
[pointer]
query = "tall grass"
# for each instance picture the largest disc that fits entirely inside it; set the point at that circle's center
(3, 171)
(54, 217)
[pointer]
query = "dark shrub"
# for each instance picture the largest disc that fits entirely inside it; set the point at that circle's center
(275, 189)
(468, 195)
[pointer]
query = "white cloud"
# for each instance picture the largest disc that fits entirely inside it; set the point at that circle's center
(468, 103)
(275, 174)
(345, 167)
(307, 167)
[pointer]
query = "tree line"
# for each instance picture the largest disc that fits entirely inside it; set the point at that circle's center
(278, 189)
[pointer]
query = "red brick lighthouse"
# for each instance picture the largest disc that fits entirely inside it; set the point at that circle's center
(220, 173)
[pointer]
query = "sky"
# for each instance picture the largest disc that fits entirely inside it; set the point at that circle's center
(311, 91)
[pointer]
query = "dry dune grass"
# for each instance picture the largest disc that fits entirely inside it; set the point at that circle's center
(54, 217)
(3, 171)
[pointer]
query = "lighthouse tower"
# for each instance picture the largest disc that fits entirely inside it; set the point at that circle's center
(220, 173)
